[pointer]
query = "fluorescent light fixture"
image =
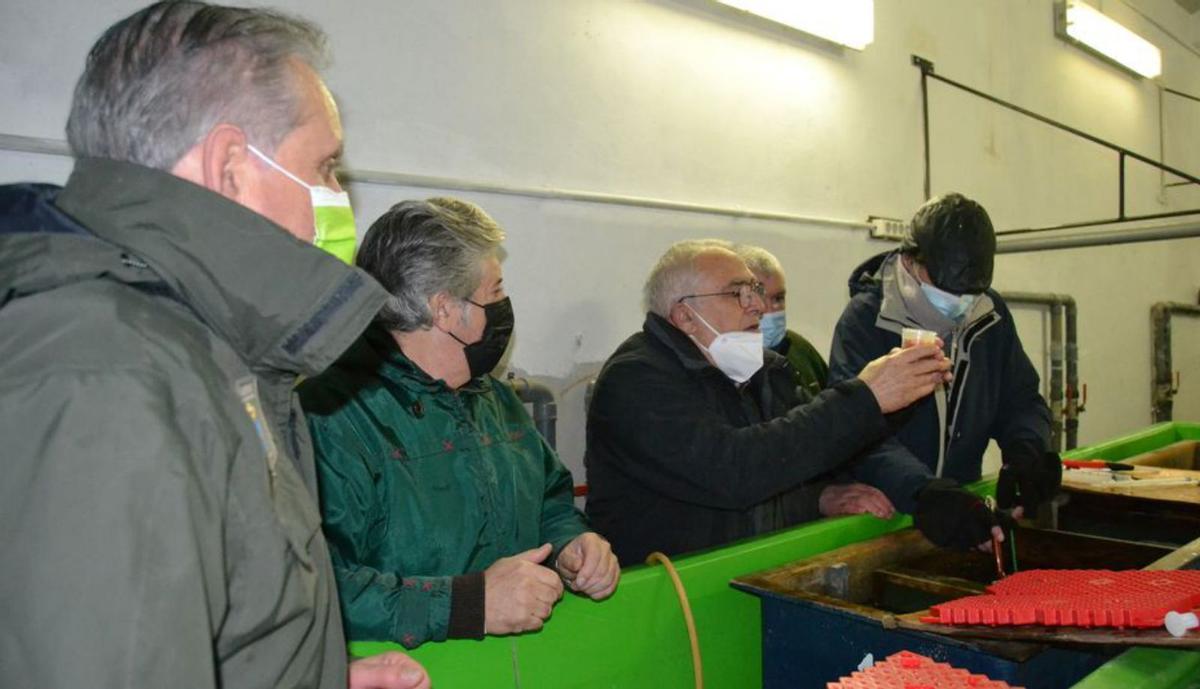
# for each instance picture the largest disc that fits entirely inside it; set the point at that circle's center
(847, 22)
(1083, 24)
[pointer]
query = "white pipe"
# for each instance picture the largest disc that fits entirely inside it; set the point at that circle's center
(1106, 238)
(29, 144)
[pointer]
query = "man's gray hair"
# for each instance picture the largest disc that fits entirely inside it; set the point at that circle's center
(420, 248)
(675, 275)
(759, 260)
(158, 81)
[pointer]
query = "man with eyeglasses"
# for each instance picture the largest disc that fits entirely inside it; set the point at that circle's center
(697, 437)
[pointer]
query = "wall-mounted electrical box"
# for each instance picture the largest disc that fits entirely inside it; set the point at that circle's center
(887, 228)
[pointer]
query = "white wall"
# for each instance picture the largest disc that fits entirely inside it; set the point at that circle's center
(671, 99)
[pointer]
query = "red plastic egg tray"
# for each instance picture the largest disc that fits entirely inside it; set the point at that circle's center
(1079, 597)
(907, 670)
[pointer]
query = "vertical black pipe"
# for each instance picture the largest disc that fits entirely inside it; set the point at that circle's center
(1163, 389)
(1160, 317)
(925, 120)
(1121, 191)
(926, 67)
(1072, 421)
(1056, 375)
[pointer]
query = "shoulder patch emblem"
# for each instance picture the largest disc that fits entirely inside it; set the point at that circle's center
(247, 390)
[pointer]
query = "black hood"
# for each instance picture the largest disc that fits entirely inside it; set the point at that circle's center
(29, 208)
(952, 236)
(865, 278)
(43, 248)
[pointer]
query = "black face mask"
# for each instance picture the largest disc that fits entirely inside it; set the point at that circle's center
(482, 356)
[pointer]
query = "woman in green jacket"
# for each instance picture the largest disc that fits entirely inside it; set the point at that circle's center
(447, 513)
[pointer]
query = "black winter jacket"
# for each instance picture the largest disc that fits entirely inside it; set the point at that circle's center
(679, 458)
(994, 393)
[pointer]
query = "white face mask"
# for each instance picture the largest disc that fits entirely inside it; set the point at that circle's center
(739, 354)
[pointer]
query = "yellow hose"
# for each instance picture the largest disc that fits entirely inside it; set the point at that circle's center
(697, 664)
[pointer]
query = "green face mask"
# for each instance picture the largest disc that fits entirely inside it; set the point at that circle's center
(334, 221)
(332, 216)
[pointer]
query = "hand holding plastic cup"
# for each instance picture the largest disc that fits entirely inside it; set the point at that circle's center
(912, 337)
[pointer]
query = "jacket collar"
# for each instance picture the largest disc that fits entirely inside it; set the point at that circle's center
(378, 352)
(280, 303)
(904, 304)
(660, 330)
(673, 339)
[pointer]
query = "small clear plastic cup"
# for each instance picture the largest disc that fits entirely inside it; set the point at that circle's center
(911, 337)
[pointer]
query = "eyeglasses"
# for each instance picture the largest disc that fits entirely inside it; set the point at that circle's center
(745, 293)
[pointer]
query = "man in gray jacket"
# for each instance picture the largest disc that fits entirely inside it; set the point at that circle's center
(160, 527)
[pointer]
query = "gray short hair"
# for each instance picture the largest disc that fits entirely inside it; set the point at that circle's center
(675, 274)
(419, 248)
(759, 260)
(159, 80)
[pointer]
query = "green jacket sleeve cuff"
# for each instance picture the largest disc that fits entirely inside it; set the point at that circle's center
(466, 607)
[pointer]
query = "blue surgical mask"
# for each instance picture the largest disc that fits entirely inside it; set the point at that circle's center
(952, 306)
(773, 327)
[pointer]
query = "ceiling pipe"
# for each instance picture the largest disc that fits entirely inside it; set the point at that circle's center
(1076, 240)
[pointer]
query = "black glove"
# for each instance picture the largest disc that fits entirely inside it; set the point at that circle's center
(1030, 476)
(951, 517)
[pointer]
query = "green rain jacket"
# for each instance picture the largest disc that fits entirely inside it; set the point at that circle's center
(809, 369)
(424, 487)
(159, 521)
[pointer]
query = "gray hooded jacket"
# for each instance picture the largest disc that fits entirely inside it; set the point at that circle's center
(158, 499)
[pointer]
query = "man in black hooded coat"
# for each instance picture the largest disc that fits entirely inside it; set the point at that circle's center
(940, 280)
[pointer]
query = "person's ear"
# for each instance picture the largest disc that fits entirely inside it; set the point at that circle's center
(443, 311)
(226, 164)
(681, 317)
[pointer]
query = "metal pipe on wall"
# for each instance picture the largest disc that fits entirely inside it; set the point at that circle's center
(1062, 310)
(1004, 245)
(1074, 403)
(1075, 240)
(1163, 388)
(31, 144)
(545, 409)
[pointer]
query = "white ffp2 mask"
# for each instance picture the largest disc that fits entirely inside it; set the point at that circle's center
(738, 354)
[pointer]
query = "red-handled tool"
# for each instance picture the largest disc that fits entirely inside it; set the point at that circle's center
(1095, 464)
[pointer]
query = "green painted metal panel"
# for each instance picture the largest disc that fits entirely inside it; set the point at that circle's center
(1146, 668)
(638, 639)
(1145, 440)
